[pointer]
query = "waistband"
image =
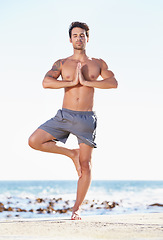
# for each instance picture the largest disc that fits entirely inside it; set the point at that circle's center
(79, 112)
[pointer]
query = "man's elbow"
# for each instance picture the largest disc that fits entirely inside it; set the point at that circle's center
(44, 83)
(115, 83)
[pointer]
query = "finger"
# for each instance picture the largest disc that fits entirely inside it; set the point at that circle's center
(79, 65)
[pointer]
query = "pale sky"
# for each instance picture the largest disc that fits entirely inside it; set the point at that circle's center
(128, 35)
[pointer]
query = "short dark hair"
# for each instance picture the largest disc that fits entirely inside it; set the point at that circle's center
(80, 25)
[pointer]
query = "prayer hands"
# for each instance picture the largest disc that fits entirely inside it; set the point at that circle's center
(79, 76)
(76, 79)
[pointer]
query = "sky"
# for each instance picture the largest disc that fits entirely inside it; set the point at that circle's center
(127, 34)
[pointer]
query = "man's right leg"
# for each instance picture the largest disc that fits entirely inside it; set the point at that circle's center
(43, 141)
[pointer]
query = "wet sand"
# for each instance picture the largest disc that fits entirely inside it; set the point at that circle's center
(111, 227)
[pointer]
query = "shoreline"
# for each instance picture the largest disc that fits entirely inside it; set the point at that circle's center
(111, 227)
(43, 199)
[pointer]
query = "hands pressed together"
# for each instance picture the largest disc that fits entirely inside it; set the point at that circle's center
(79, 76)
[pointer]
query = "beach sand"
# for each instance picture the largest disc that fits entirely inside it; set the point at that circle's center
(129, 227)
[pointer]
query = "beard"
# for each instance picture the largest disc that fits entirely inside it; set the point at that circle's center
(79, 47)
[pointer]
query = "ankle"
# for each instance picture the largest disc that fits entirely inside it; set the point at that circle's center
(72, 153)
(75, 209)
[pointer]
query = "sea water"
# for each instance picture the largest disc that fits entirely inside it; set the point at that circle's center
(129, 196)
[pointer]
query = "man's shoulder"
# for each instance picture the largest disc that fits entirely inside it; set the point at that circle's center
(60, 62)
(98, 60)
(67, 59)
(101, 62)
(63, 60)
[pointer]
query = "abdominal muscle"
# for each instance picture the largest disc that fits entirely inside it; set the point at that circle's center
(78, 98)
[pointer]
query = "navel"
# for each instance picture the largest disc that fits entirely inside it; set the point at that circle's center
(92, 76)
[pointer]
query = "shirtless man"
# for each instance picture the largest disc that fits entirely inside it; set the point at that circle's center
(79, 78)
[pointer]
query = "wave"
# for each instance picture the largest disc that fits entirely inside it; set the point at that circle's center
(123, 196)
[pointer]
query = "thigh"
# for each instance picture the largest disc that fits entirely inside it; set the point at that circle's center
(41, 136)
(85, 152)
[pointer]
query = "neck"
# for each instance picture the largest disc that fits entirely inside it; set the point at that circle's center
(79, 54)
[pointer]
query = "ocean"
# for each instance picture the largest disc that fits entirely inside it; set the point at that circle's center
(50, 199)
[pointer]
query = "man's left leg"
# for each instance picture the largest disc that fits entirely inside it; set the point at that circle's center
(85, 180)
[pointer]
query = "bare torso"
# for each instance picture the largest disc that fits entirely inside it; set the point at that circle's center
(79, 97)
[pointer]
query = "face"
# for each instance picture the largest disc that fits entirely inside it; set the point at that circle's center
(78, 38)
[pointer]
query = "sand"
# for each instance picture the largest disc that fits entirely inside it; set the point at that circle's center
(129, 227)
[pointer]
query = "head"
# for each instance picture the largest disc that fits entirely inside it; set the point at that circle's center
(79, 35)
(79, 25)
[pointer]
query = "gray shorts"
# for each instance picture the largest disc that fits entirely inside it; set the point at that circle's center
(82, 124)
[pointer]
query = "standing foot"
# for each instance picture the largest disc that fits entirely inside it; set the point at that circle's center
(75, 159)
(75, 215)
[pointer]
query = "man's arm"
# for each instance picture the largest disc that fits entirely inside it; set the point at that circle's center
(50, 79)
(108, 81)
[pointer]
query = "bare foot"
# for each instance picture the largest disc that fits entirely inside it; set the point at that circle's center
(76, 162)
(75, 216)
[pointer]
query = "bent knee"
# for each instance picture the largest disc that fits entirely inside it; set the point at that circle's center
(33, 143)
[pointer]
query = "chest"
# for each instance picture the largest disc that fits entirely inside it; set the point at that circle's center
(90, 70)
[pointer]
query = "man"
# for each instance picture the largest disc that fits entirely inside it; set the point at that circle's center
(79, 78)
